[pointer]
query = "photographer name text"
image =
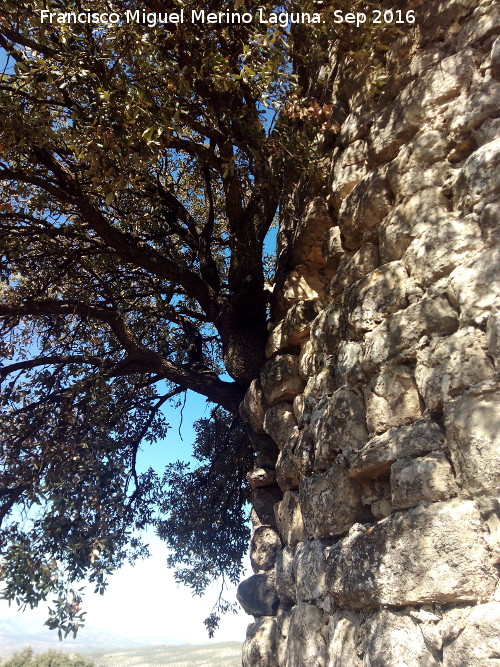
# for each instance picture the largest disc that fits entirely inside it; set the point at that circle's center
(283, 19)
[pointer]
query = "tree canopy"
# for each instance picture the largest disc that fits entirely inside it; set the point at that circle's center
(140, 170)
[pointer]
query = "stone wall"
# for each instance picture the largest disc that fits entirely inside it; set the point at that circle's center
(376, 418)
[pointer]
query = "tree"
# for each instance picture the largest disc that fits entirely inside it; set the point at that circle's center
(141, 169)
(27, 658)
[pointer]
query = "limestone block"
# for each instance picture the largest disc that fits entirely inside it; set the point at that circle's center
(371, 300)
(259, 477)
(365, 206)
(298, 407)
(432, 554)
(257, 595)
(446, 81)
(306, 241)
(332, 248)
(338, 424)
(484, 22)
(344, 640)
(279, 423)
(289, 518)
(395, 639)
(382, 508)
(352, 268)
(317, 387)
(328, 330)
(308, 365)
(472, 108)
(478, 181)
(473, 432)
(405, 182)
(297, 322)
(490, 215)
(478, 645)
(253, 407)
(282, 632)
(354, 127)
(475, 287)
(426, 479)
(495, 59)
(302, 284)
(307, 637)
(260, 645)
(391, 399)
(330, 502)
(380, 452)
(275, 342)
(493, 338)
(285, 577)
(264, 546)
(439, 249)
(295, 460)
(348, 366)
(280, 379)
(396, 232)
(310, 569)
(395, 125)
(448, 366)
(263, 501)
(399, 335)
(350, 168)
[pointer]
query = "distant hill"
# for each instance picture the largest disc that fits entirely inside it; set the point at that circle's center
(226, 654)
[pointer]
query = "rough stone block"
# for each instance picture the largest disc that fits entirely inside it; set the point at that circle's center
(263, 501)
(353, 267)
(253, 407)
(295, 460)
(391, 399)
(307, 637)
(328, 330)
(264, 546)
(493, 338)
(289, 518)
(426, 479)
(478, 645)
(397, 231)
(473, 433)
(382, 292)
(308, 233)
(380, 452)
(395, 639)
(448, 366)
(365, 206)
(433, 554)
(475, 287)
(350, 168)
(297, 323)
(405, 183)
(441, 248)
(310, 568)
(282, 632)
(399, 335)
(338, 424)
(260, 645)
(279, 423)
(259, 477)
(330, 502)
(257, 595)
(478, 181)
(280, 379)
(308, 363)
(332, 248)
(344, 640)
(348, 367)
(302, 284)
(285, 577)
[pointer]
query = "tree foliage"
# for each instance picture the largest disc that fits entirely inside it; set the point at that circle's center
(140, 171)
(27, 658)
